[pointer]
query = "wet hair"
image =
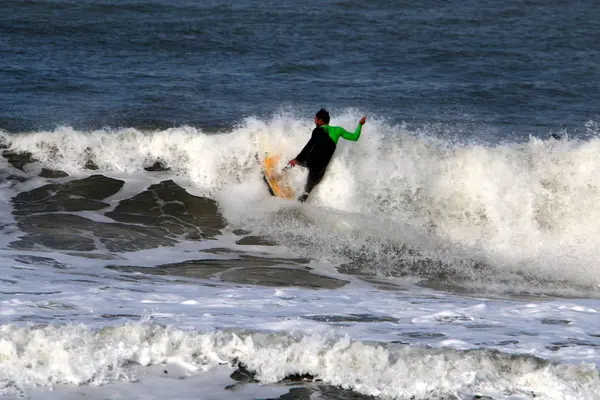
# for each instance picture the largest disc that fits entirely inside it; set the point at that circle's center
(323, 115)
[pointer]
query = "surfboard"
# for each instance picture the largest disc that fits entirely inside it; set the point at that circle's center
(276, 182)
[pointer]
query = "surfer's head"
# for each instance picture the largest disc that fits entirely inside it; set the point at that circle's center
(322, 117)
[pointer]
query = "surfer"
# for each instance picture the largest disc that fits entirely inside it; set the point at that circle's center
(317, 153)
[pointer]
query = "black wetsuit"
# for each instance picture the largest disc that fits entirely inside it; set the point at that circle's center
(318, 152)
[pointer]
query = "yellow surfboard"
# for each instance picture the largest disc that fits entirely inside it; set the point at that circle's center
(275, 180)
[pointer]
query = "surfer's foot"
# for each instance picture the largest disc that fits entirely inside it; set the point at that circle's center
(303, 198)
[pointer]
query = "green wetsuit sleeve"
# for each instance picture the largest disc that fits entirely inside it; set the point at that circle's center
(338, 131)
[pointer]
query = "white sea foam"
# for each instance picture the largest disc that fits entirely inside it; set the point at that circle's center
(48, 356)
(527, 209)
(510, 216)
(341, 336)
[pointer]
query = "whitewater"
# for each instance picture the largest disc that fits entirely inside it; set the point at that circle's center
(151, 263)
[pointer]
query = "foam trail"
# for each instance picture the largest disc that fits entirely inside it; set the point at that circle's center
(525, 209)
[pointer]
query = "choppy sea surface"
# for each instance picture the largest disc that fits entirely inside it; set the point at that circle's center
(451, 253)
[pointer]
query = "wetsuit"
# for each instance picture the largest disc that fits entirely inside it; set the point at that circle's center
(318, 151)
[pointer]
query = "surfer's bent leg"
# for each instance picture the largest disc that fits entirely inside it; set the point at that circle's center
(314, 177)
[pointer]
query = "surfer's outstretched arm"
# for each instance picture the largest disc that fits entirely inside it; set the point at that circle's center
(337, 132)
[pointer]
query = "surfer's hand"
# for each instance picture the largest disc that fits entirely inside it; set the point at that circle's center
(292, 163)
(362, 120)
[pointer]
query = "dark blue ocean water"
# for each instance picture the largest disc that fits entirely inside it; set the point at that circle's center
(509, 67)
